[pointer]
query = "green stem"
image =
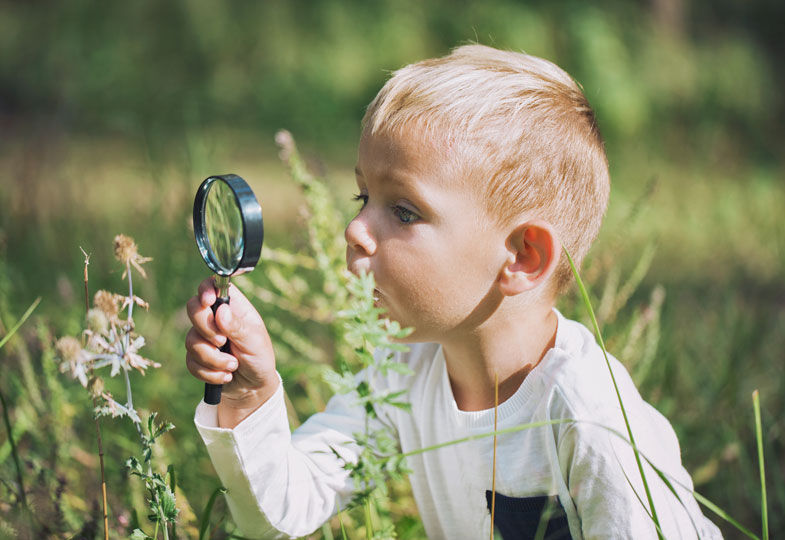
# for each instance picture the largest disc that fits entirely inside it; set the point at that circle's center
(368, 520)
(512, 429)
(759, 437)
(14, 452)
(7, 418)
(587, 302)
(20, 322)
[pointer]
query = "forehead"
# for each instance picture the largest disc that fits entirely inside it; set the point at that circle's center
(410, 154)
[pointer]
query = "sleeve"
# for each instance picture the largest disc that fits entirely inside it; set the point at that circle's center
(605, 483)
(282, 484)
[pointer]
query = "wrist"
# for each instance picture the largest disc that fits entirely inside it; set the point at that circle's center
(236, 407)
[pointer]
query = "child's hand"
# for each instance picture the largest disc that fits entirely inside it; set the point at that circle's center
(248, 373)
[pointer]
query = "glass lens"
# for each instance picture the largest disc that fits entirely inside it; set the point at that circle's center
(223, 224)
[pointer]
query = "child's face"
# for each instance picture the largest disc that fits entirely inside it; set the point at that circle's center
(425, 234)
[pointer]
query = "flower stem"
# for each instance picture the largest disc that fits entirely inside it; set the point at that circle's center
(127, 343)
(14, 453)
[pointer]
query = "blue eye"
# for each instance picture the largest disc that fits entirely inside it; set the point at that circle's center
(404, 215)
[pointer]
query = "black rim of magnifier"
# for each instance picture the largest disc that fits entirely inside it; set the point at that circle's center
(253, 226)
(253, 236)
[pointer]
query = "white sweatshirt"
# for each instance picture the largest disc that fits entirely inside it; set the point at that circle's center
(283, 485)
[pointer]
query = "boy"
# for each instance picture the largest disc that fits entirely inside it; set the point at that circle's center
(473, 171)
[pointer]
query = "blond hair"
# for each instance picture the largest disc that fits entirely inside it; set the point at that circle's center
(525, 131)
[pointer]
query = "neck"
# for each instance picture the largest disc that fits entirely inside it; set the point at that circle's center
(508, 345)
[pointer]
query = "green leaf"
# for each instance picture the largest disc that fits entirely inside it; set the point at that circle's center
(205, 521)
(138, 535)
(168, 506)
(135, 467)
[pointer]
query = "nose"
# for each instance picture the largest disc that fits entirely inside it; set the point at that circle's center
(359, 240)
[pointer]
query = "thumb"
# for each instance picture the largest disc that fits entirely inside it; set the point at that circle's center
(241, 324)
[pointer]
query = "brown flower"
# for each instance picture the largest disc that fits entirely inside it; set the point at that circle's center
(126, 252)
(109, 303)
(68, 348)
(96, 386)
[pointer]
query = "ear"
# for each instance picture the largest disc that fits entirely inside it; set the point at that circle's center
(533, 253)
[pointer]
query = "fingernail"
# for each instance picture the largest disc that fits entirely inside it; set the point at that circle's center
(232, 365)
(228, 378)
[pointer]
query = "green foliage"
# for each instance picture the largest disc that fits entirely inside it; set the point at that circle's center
(359, 330)
(162, 498)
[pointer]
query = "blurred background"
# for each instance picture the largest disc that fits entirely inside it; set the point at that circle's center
(112, 113)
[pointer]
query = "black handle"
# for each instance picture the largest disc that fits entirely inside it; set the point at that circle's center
(212, 392)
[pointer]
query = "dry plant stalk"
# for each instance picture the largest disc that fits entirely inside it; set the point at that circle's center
(95, 406)
(495, 435)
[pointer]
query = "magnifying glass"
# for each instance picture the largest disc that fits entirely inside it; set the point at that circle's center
(229, 233)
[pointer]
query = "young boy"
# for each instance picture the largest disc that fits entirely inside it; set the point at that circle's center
(473, 171)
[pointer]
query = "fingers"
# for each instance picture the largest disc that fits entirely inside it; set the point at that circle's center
(203, 321)
(207, 294)
(204, 374)
(206, 362)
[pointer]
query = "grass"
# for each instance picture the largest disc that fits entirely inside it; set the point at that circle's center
(718, 246)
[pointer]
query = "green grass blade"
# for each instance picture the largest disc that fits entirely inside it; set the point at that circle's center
(343, 529)
(205, 522)
(724, 515)
(759, 437)
(327, 532)
(587, 302)
(512, 429)
(7, 418)
(20, 322)
(173, 487)
(368, 520)
(700, 498)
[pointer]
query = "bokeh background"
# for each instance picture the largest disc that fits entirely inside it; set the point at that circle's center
(111, 113)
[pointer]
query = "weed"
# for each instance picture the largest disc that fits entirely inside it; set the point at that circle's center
(112, 342)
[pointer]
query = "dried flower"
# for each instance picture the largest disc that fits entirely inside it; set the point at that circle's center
(96, 386)
(109, 303)
(133, 359)
(68, 348)
(73, 358)
(285, 141)
(126, 252)
(136, 300)
(97, 320)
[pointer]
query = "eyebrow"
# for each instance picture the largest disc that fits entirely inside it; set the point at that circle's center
(357, 171)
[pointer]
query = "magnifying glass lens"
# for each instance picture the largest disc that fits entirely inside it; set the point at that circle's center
(223, 223)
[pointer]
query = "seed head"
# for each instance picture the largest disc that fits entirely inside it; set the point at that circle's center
(97, 320)
(68, 348)
(124, 248)
(108, 303)
(73, 358)
(126, 252)
(96, 386)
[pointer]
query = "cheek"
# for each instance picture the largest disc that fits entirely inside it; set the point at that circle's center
(424, 289)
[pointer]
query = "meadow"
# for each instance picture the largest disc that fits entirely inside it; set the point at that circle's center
(700, 328)
(687, 277)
